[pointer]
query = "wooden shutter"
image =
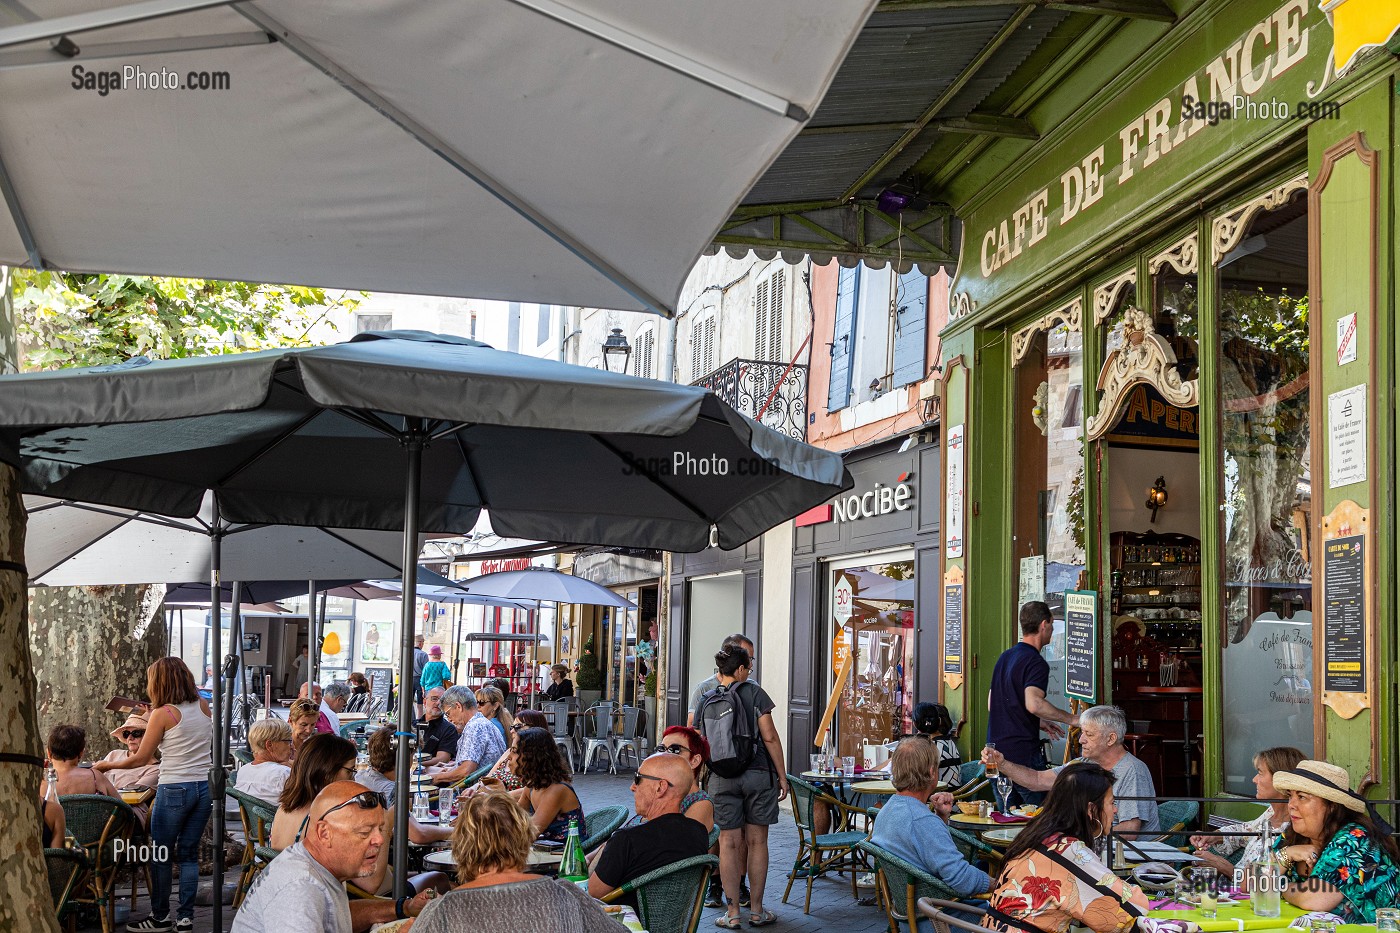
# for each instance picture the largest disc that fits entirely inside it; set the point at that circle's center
(910, 327)
(843, 336)
(760, 320)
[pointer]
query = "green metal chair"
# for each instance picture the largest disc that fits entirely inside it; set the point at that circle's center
(671, 899)
(66, 868)
(257, 815)
(98, 822)
(242, 755)
(714, 835)
(899, 885)
(600, 824)
(937, 911)
(819, 854)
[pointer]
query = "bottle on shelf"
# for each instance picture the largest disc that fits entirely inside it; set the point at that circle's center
(573, 868)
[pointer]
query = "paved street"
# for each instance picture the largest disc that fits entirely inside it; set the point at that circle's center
(832, 907)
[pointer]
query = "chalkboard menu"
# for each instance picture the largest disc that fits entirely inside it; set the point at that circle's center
(952, 628)
(1344, 614)
(381, 682)
(1081, 644)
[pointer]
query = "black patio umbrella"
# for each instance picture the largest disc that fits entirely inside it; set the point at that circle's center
(414, 432)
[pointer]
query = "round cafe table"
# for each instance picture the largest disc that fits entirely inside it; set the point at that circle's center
(874, 788)
(973, 822)
(1002, 836)
(538, 858)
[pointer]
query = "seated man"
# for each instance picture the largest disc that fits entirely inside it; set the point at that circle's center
(667, 836)
(480, 742)
(1101, 731)
(303, 889)
(336, 698)
(65, 751)
(907, 828)
(440, 741)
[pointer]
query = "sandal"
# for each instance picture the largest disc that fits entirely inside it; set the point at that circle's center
(767, 918)
(726, 922)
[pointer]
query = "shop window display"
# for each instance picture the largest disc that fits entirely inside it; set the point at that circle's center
(877, 636)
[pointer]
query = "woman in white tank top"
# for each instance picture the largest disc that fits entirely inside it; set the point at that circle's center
(181, 729)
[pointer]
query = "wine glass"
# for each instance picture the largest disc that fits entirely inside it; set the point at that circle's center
(1003, 789)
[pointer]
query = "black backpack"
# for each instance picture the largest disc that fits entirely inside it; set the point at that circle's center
(728, 724)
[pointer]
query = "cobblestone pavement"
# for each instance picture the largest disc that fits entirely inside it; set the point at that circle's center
(832, 905)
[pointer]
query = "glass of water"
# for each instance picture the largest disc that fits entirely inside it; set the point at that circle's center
(446, 797)
(848, 765)
(817, 763)
(1319, 925)
(1388, 919)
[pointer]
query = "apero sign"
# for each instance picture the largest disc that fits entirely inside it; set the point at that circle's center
(881, 500)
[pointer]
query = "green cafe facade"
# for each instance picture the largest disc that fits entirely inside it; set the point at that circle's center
(1168, 392)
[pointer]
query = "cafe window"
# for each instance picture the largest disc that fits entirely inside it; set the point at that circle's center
(1266, 486)
(871, 631)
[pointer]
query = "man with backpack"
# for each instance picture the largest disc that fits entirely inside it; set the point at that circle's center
(747, 779)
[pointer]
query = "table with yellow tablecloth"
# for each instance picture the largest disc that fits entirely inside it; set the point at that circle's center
(1235, 917)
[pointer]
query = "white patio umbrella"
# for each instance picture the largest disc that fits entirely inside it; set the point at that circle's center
(572, 152)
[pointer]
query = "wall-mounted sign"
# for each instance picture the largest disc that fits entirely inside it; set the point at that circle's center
(1081, 645)
(1149, 420)
(1346, 339)
(842, 595)
(954, 643)
(953, 514)
(1347, 641)
(1346, 437)
(1032, 580)
(882, 500)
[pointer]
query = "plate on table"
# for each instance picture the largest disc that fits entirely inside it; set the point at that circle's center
(1029, 810)
(1003, 836)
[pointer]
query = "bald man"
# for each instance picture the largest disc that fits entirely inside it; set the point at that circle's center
(667, 836)
(303, 889)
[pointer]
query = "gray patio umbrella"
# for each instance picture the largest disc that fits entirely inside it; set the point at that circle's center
(313, 436)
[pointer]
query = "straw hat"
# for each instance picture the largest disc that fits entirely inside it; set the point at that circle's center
(1321, 779)
(134, 721)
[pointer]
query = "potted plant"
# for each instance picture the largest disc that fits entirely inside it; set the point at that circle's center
(588, 676)
(649, 703)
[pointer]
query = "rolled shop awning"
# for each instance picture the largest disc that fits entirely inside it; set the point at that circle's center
(579, 152)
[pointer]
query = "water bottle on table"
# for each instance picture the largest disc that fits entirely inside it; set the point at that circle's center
(573, 867)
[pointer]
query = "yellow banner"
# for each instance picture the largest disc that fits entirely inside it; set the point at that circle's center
(1358, 25)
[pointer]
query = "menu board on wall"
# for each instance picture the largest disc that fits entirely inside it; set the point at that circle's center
(381, 682)
(1081, 644)
(953, 627)
(1344, 614)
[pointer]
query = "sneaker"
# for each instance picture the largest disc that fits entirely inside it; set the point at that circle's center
(152, 925)
(715, 897)
(743, 895)
(184, 926)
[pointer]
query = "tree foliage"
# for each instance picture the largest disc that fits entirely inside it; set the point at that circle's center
(78, 319)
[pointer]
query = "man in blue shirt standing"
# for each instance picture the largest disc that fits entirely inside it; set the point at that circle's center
(1017, 705)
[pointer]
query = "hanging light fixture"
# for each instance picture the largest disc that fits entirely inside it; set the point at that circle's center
(1157, 496)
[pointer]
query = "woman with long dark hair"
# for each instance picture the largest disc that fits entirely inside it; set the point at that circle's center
(1340, 854)
(932, 721)
(180, 728)
(546, 787)
(1052, 876)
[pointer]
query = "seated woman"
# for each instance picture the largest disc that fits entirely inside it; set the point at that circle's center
(490, 845)
(1340, 854)
(65, 749)
(690, 745)
(302, 717)
(528, 719)
(933, 722)
(359, 693)
(132, 732)
(271, 743)
(1212, 849)
(492, 703)
(906, 827)
(381, 773)
(545, 790)
(1051, 877)
(325, 759)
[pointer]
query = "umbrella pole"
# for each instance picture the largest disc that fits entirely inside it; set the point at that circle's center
(310, 635)
(403, 759)
(216, 770)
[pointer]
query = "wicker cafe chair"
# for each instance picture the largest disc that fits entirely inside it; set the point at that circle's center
(898, 885)
(99, 823)
(973, 848)
(66, 868)
(257, 815)
(973, 780)
(818, 854)
(671, 898)
(600, 824)
(936, 910)
(1177, 814)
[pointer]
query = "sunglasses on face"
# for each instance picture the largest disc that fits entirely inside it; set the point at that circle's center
(369, 800)
(681, 750)
(132, 734)
(639, 777)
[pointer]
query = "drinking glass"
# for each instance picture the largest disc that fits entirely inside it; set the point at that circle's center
(1003, 787)
(1320, 925)
(446, 797)
(817, 763)
(1388, 920)
(990, 769)
(848, 765)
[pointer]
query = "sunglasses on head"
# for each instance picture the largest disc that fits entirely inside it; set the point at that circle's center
(132, 734)
(681, 750)
(368, 800)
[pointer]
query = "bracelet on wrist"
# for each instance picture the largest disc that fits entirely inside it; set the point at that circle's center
(399, 912)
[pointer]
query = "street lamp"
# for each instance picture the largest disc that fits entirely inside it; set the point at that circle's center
(615, 347)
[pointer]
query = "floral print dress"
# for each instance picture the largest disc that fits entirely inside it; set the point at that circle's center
(1357, 867)
(1058, 883)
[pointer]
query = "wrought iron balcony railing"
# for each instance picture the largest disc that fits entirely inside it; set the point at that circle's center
(777, 390)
